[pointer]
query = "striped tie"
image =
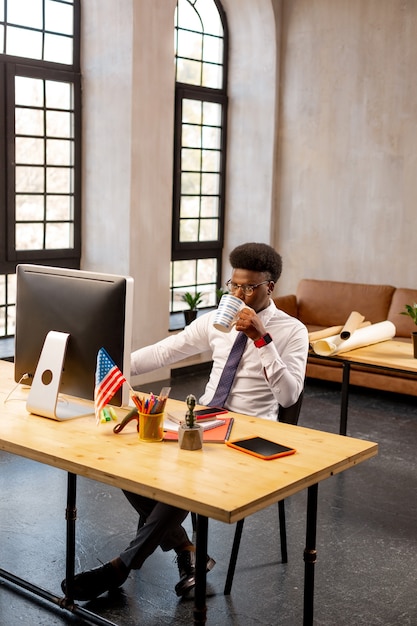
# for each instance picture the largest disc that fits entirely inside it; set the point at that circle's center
(229, 371)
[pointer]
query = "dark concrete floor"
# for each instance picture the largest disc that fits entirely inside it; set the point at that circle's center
(367, 536)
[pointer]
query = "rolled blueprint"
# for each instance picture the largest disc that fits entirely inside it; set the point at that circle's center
(374, 333)
(353, 322)
(315, 335)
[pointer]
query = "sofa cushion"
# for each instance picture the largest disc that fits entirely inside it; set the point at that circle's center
(329, 303)
(288, 304)
(403, 323)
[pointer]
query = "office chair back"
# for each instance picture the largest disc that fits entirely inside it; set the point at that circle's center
(291, 414)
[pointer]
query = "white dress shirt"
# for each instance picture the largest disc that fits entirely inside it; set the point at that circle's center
(266, 377)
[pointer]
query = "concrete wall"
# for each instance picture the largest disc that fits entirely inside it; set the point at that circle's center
(347, 184)
(321, 141)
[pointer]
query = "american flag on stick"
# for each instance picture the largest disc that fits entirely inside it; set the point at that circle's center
(109, 379)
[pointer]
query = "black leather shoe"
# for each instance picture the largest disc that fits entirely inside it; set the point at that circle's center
(186, 567)
(92, 583)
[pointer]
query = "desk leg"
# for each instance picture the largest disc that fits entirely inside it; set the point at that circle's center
(345, 398)
(310, 555)
(64, 603)
(200, 609)
(70, 516)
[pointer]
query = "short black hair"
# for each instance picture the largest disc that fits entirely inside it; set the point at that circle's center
(257, 257)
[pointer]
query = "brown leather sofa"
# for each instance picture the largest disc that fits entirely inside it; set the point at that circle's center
(324, 303)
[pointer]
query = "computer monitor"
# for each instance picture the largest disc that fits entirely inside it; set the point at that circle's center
(63, 318)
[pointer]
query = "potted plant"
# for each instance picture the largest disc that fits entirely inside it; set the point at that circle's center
(193, 300)
(190, 434)
(219, 293)
(411, 311)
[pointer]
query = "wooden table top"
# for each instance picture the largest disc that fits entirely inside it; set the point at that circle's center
(395, 355)
(217, 481)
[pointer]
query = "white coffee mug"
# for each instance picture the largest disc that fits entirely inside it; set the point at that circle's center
(227, 312)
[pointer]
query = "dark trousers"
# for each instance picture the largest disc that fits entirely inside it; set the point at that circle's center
(162, 527)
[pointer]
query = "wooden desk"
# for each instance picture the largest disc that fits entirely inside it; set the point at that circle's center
(394, 356)
(216, 482)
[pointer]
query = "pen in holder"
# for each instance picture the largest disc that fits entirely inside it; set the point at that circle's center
(151, 415)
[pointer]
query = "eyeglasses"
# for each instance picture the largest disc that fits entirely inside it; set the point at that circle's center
(247, 289)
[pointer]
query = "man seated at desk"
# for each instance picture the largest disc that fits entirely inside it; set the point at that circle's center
(270, 373)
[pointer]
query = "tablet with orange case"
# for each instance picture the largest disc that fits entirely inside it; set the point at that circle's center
(261, 448)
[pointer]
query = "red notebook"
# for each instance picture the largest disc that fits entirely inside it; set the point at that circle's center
(220, 434)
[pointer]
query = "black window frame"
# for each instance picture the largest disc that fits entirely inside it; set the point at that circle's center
(11, 66)
(196, 250)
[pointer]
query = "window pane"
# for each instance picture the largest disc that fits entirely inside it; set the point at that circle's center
(23, 43)
(212, 76)
(25, 13)
(188, 72)
(29, 236)
(59, 180)
(29, 179)
(211, 137)
(209, 230)
(7, 304)
(58, 17)
(58, 49)
(59, 124)
(210, 206)
(11, 288)
(190, 45)
(190, 183)
(206, 269)
(11, 301)
(210, 183)
(191, 136)
(189, 230)
(28, 91)
(29, 150)
(59, 152)
(212, 113)
(184, 272)
(213, 50)
(59, 208)
(58, 236)
(192, 110)
(190, 206)
(211, 160)
(2, 321)
(29, 208)
(58, 95)
(29, 122)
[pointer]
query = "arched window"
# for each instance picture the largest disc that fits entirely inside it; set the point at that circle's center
(201, 45)
(40, 142)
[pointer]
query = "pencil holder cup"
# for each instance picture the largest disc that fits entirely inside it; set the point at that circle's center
(151, 427)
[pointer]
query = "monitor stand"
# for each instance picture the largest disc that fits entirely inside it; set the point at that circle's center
(44, 398)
